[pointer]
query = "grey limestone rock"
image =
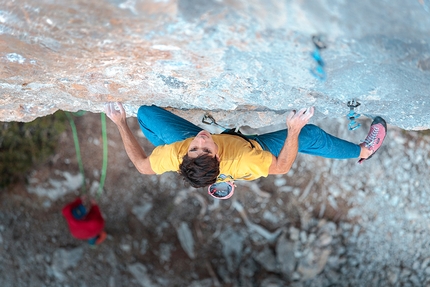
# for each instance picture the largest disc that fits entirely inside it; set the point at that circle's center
(186, 239)
(267, 259)
(64, 259)
(232, 247)
(285, 256)
(313, 263)
(247, 62)
(140, 273)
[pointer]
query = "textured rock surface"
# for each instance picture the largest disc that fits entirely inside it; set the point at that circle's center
(219, 55)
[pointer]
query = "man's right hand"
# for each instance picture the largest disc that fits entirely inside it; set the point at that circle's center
(297, 120)
(117, 116)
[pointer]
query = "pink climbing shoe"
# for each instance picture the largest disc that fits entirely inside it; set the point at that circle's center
(375, 137)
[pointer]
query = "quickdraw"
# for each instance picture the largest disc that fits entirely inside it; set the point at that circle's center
(318, 72)
(352, 115)
(209, 120)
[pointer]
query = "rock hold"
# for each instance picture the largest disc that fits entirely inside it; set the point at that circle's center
(64, 259)
(285, 256)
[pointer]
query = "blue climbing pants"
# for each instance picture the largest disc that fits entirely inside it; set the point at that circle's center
(162, 127)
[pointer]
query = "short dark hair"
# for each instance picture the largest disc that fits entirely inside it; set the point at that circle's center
(199, 171)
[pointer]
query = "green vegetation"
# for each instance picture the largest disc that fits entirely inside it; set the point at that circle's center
(22, 145)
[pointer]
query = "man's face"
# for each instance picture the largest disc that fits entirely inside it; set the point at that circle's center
(202, 144)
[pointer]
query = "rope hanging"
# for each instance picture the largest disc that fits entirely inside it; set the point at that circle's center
(78, 152)
(105, 155)
(87, 224)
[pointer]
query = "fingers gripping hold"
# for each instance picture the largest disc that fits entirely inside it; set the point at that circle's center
(305, 113)
(297, 120)
(117, 116)
(308, 113)
(108, 109)
(291, 115)
(121, 107)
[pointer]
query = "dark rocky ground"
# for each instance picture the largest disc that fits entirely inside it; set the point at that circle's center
(325, 223)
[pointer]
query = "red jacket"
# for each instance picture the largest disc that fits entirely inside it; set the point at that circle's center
(88, 227)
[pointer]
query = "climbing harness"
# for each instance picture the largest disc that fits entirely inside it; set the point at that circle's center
(318, 72)
(352, 115)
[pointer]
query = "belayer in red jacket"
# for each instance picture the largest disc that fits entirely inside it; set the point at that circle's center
(85, 225)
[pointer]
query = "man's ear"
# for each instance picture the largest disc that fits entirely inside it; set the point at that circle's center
(217, 157)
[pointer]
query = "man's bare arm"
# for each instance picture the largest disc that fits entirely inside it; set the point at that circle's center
(295, 122)
(134, 151)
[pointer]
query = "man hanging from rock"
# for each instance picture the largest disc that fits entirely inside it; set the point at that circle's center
(204, 159)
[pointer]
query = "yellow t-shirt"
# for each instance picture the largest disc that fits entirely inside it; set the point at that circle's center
(237, 158)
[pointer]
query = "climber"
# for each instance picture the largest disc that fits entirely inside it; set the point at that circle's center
(85, 225)
(204, 159)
